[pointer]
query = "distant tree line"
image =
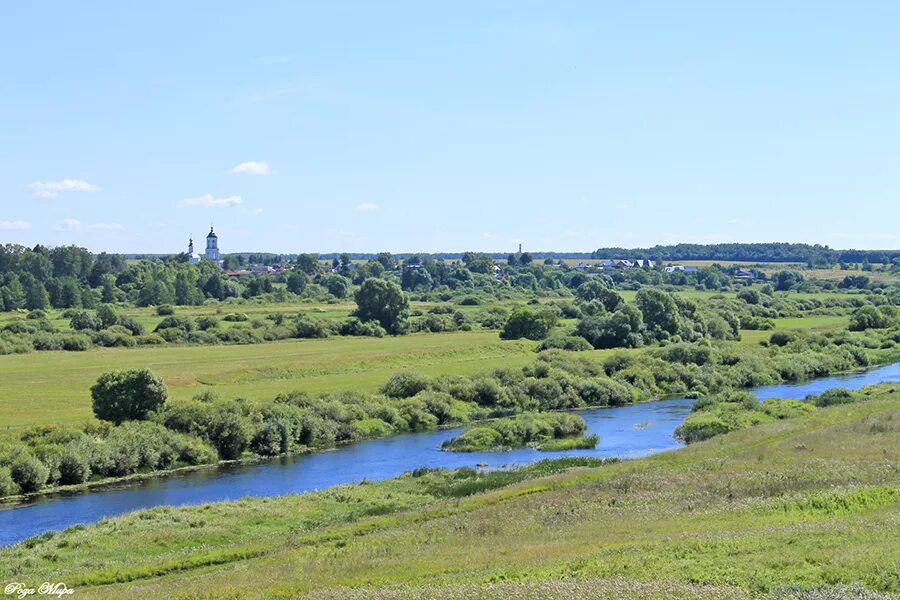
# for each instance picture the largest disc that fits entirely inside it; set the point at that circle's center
(69, 277)
(814, 255)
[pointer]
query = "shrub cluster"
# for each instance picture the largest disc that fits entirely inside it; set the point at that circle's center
(733, 410)
(519, 431)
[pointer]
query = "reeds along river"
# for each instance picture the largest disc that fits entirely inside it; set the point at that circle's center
(625, 432)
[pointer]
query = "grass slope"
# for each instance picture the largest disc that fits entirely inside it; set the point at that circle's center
(808, 501)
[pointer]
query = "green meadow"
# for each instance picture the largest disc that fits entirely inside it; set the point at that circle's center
(50, 387)
(808, 503)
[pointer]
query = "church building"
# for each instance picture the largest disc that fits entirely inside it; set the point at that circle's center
(193, 257)
(212, 249)
(212, 246)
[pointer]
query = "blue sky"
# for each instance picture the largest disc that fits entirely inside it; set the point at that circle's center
(426, 126)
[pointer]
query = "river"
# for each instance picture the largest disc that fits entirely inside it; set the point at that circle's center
(625, 432)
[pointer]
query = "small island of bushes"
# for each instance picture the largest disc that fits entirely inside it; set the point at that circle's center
(542, 431)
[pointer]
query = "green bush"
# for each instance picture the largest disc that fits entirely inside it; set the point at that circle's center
(127, 395)
(84, 319)
(601, 391)
(306, 327)
(783, 338)
(518, 431)
(832, 397)
(355, 327)
(184, 324)
(701, 426)
(229, 433)
(8, 487)
(786, 409)
(131, 325)
(108, 315)
(580, 443)
(74, 464)
(207, 323)
(195, 451)
(573, 343)
(404, 384)
(446, 408)
(29, 473)
(236, 317)
(872, 317)
(47, 341)
(372, 428)
(151, 339)
(475, 439)
(527, 323)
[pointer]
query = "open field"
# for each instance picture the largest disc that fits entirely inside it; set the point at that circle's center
(810, 501)
(49, 387)
(837, 274)
(812, 324)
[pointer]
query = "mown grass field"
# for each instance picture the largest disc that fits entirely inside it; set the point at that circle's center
(804, 502)
(51, 387)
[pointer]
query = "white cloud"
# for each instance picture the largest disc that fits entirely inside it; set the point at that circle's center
(621, 206)
(368, 207)
(67, 225)
(106, 226)
(14, 225)
(210, 201)
(52, 189)
(739, 222)
(251, 168)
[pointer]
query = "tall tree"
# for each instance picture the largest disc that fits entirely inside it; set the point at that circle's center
(382, 301)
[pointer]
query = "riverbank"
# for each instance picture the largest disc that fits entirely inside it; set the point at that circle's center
(789, 390)
(115, 482)
(822, 489)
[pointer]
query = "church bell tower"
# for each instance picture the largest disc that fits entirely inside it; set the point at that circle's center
(212, 246)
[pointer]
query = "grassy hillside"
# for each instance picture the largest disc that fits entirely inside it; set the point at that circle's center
(806, 502)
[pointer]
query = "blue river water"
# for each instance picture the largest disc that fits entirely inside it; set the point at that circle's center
(625, 432)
